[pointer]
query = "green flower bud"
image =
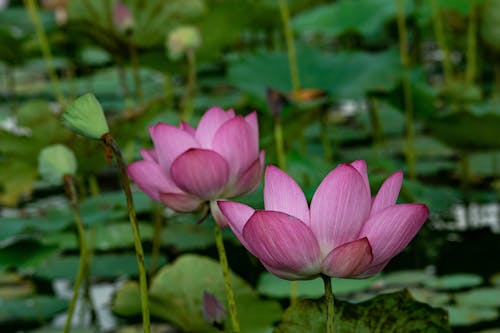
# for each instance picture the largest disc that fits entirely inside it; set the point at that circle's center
(54, 162)
(182, 39)
(86, 117)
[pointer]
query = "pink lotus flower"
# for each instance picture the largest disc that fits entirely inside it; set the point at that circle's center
(345, 232)
(188, 167)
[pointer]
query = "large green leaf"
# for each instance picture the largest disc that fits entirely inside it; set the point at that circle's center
(103, 266)
(366, 17)
(395, 312)
(273, 286)
(490, 20)
(343, 74)
(469, 315)
(176, 294)
(37, 308)
(467, 131)
(479, 297)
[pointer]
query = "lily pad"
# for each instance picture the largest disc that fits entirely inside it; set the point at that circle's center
(454, 281)
(480, 297)
(468, 315)
(395, 312)
(176, 295)
(367, 72)
(406, 277)
(366, 17)
(103, 266)
(37, 308)
(273, 286)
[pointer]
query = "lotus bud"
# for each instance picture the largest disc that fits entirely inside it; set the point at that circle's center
(123, 18)
(213, 310)
(181, 40)
(86, 117)
(54, 162)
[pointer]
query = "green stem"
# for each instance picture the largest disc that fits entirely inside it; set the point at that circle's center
(471, 66)
(187, 101)
(122, 78)
(290, 46)
(280, 147)
(69, 184)
(327, 150)
(466, 172)
(111, 144)
(93, 186)
(408, 103)
(377, 130)
(330, 303)
(440, 38)
(10, 77)
(136, 72)
(32, 8)
(227, 279)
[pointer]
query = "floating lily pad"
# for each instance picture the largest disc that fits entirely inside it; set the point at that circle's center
(176, 295)
(273, 286)
(468, 315)
(395, 312)
(467, 131)
(405, 278)
(366, 17)
(454, 281)
(25, 255)
(37, 308)
(479, 297)
(103, 266)
(366, 71)
(430, 297)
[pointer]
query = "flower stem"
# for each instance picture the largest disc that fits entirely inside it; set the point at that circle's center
(471, 65)
(187, 100)
(69, 185)
(407, 95)
(136, 72)
(439, 33)
(32, 8)
(111, 144)
(329, 303)
(227, 279)
(325, 141)
(280, 147)
(290, 46)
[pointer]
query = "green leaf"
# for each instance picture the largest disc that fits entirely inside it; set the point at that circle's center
(395, 312)
(102, 266)
(405, 277)
(365, 17)
(466, 131)
(118, 235)
(176, 294)
(273, 286)
(490, 20)
(37, 308)
(469, 315)
(367, 72)
(479, 297)
(454, 281)
(25, 255)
